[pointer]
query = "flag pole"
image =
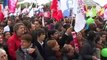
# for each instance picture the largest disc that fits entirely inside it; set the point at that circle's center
(43, 21)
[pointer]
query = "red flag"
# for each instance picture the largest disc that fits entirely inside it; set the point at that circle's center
(12, 5)
(1, 16)
(54, 5)
(56, 13)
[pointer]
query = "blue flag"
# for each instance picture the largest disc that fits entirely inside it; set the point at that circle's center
(5, 3)
(64, 5)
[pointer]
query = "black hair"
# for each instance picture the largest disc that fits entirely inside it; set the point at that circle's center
(91, 35)
(40, 31)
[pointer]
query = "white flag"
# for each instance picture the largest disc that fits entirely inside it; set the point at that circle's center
(65, 7)
(80, 17)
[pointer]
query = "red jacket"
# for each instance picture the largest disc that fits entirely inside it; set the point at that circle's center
(13, 45)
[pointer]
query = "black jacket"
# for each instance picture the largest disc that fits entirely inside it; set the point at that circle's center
(41, 48)
(87, 50)
(66, 39)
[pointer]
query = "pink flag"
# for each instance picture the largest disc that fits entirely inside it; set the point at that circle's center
(12, 5)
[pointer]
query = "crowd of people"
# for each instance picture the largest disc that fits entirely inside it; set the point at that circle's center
(24, 38)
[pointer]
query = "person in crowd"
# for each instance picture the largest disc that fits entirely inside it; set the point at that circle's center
(32, 27)
(53, 34)
(38, 24)
(27, 24)
(27, 51)
(60, 28)
(9, 26)
(17, 19)
(77, 42)
(3, 54)
(53, 49)
(1, 40)
(66, 37)
(6, 36)
(14, 41)
(104, 39)
(39, 41)
(88, 49)
(99, 45)
(68, 53)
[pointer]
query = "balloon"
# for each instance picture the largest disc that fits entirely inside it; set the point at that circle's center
(1, 16)
(90, 21)
(104, 52)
